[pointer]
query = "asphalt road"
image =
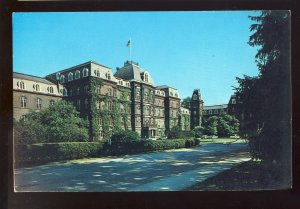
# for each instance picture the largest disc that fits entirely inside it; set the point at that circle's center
(171, 170)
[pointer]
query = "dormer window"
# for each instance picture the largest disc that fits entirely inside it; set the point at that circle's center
(97, 73)
(36, 87)
(21, 84)
(77, 74)
(62, 79)
(85, 72)
(70, 77)
(50, 89)
(107, 75)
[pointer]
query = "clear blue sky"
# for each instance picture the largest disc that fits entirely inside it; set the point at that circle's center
(185, 50)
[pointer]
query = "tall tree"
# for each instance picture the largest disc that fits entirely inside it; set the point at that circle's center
(264, 101)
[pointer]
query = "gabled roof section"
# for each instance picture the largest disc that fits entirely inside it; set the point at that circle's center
(31, 78)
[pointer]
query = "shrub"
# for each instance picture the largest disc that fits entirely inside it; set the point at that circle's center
(124, 136)
(198, 130)
(177, 133)
(48, 152)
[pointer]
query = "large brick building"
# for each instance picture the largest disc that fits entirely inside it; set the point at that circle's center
(127, 99)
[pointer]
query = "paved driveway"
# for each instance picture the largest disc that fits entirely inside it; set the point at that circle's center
(171, 170)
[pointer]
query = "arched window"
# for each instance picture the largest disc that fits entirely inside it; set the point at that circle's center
(65, 92)
(50, 90)
(107, 75)
(21, 85)
(62, 79)
(51, 102)
(85, 72)
(77, 74)
(23, 101)
(38, 103)
(70, 76)
(36, 87)
(97, 73)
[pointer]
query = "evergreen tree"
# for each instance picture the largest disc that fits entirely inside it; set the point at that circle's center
(264, 100)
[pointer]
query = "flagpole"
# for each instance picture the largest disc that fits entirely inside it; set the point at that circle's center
(130, 50)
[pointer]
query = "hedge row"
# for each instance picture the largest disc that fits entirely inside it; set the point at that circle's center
(51, 152)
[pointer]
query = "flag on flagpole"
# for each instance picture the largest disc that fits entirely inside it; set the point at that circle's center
(128, 43)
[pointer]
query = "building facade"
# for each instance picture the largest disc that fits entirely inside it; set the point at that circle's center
(32, 93)
(127, 99)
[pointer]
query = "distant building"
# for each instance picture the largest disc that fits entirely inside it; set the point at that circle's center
(214, 110)
(196, 107)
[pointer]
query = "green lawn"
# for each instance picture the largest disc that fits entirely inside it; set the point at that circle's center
(221, 140)
(250, 175)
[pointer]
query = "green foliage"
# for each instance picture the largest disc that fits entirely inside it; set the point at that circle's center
(198, 130)
(49, 152)
(130, 147)
(227, 126)
(186, 102)
(211, 126)
(60, 122)
(177, 133)
(223, 125)
(122, 136)
(115, 114)
(264, 100)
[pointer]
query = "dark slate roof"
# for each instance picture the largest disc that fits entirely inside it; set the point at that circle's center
(31, 78)
(129, 72)
(79, 65)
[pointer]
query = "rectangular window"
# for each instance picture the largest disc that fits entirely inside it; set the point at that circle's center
(39, 103)
(23, 102)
